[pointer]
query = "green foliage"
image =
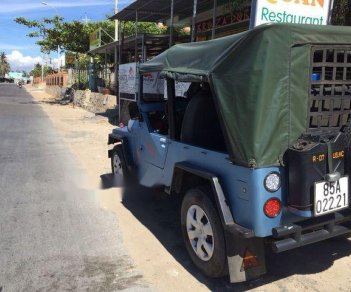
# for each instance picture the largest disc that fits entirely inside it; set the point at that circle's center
(179, 31)
(4, 64)
(55, 34)
(237, 5)
(128, 28)
(341, 13)
(36, 72)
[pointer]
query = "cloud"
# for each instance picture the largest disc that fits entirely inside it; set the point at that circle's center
(20, 62)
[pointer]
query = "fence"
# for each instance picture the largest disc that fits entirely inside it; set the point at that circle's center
(36, 80)
(80, 77)
(60, 79)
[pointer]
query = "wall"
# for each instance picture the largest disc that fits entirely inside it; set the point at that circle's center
(93, 101)
(60, 79)
(55, 91)
(36, 80)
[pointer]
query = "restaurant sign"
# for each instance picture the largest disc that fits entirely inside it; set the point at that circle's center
(290, 11)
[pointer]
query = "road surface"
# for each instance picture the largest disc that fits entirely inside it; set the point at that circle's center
(54, 235)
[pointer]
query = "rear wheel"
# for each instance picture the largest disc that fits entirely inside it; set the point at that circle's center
(203, 233)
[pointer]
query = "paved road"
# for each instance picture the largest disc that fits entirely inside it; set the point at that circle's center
(54, 236)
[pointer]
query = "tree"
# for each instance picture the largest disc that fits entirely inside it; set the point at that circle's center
(54, 33)
(341, 13)
(4, 64)
(36, 72)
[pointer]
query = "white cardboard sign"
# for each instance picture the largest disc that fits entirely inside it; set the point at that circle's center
(127, 78)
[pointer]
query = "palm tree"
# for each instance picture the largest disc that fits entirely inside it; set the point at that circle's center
(4, 64)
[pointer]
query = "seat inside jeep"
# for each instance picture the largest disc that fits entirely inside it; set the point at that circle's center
(200, 125)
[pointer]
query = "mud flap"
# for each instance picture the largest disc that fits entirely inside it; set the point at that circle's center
(250, 249)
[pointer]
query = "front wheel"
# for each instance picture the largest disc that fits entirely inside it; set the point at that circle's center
(118, 164)
(203, 233)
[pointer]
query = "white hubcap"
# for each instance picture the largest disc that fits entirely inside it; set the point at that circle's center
(117, 165)
(200, 233)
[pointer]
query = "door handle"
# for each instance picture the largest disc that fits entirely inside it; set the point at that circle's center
(163, 140)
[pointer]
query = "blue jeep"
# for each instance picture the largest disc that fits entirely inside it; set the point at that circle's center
(253, 132)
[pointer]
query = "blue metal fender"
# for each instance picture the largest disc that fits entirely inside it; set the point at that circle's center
(123, 142)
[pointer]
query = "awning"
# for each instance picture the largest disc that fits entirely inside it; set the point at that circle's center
(107, 48)
(160, 10)
(155, 44)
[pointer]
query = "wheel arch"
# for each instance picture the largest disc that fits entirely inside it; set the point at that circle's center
(238, 239)
(186, 175)
(122, 142)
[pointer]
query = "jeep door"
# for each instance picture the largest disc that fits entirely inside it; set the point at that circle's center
(153, 135)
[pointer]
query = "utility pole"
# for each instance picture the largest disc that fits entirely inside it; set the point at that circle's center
(116, 21)
(42, 68)
(86, 19)
(58, 47)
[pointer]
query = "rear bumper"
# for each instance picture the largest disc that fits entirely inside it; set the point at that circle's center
(310, 231)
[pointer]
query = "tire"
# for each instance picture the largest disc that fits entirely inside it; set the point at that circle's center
(200, 221)
(118, 164)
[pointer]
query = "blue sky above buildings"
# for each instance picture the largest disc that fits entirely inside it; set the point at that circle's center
(21, 50)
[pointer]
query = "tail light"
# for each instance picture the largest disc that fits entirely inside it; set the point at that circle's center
(272, 207)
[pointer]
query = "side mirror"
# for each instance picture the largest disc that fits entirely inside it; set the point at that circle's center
(134, 112)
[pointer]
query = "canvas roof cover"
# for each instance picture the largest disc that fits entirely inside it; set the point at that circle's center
(261, 83)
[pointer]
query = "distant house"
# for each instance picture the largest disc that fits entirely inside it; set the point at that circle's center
(16, 76)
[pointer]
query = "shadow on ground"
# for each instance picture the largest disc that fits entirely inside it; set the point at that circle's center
(51, 102)
(109, 180)
(111, 114)
(160, 214)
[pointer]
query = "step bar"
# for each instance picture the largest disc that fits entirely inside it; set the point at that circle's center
(310, 231)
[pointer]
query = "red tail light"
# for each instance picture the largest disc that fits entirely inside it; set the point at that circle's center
(272, 207)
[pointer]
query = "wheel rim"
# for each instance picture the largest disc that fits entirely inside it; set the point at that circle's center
(200, 232)
(117, 165)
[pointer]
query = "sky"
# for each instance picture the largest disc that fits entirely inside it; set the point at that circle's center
(21, 51)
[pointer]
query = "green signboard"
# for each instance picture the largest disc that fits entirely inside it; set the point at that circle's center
(95, 39)
(70, 58)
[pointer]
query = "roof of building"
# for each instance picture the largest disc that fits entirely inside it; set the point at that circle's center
(160, 10)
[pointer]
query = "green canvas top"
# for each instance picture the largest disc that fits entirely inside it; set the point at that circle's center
(261, 83)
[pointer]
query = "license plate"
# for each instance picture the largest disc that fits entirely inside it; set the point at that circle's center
(331, 196)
